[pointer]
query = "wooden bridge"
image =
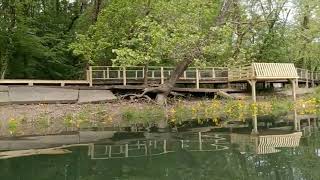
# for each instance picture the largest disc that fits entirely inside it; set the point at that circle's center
(193, 77)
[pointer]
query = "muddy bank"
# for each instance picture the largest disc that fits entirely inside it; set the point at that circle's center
(57, 118)
(48, 119)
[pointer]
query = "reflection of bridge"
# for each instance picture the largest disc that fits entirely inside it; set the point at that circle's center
(143, 148)
(265, 144)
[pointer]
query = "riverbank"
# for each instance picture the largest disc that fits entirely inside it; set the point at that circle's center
(43, 119)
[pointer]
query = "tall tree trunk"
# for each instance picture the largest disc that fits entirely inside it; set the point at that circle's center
(4, 66)
(164, 90)
(168, 86)
(304, 27)
(96, 10)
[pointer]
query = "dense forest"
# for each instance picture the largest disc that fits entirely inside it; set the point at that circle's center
(58, 39)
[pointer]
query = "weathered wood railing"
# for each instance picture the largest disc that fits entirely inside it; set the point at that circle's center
(154, 73)
(136, 75)
(246, 72)
(240, 73)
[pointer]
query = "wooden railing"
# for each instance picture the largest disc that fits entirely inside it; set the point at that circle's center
(136, 75)
(240, 73)
(125, 74)
(192, 74)
(247, 72)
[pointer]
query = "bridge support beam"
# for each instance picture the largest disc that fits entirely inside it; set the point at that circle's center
(255, 125)
(253, 90)
(254, 101)
(197, 79)
(90, 77)
(124, 76)
(307, 79)
(162, 75)
(312, 80)
(295, 123)
(293, 84)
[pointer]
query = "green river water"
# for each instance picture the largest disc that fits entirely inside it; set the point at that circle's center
(178, 156)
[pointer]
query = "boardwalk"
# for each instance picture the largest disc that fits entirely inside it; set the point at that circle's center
(196, 76)
(192, 78)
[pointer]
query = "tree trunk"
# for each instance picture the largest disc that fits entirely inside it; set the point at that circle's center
(4, 66)
(167, 87)
(97, 8)
(164, 90)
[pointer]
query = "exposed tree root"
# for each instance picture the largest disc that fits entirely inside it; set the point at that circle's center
(136, 96)
(161, 93)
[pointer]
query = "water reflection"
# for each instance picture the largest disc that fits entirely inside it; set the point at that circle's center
(204, 142)
(272, 155)
(265, 144)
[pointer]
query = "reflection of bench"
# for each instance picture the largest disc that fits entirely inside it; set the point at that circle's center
(267, 143)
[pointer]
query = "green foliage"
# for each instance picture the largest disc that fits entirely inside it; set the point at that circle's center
(147, 115)
(58, 40)
(13, 126)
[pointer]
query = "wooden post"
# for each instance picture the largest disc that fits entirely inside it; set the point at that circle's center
(312, 79)
(152, 74)
(254, 101)
(295, 115)
(108, 75)
(92, 150)
(119, 76)
(162, 75)
(253, 90)
(213, 74)
(110, 151)
(255, 124)
(165, 146)
(127, 150)
(307, 79)
(293, 82)
(197, 79)
(143, 73)
(90, 76)
(104, 74)
(124, 75)
(185, 75)
(200, 141)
